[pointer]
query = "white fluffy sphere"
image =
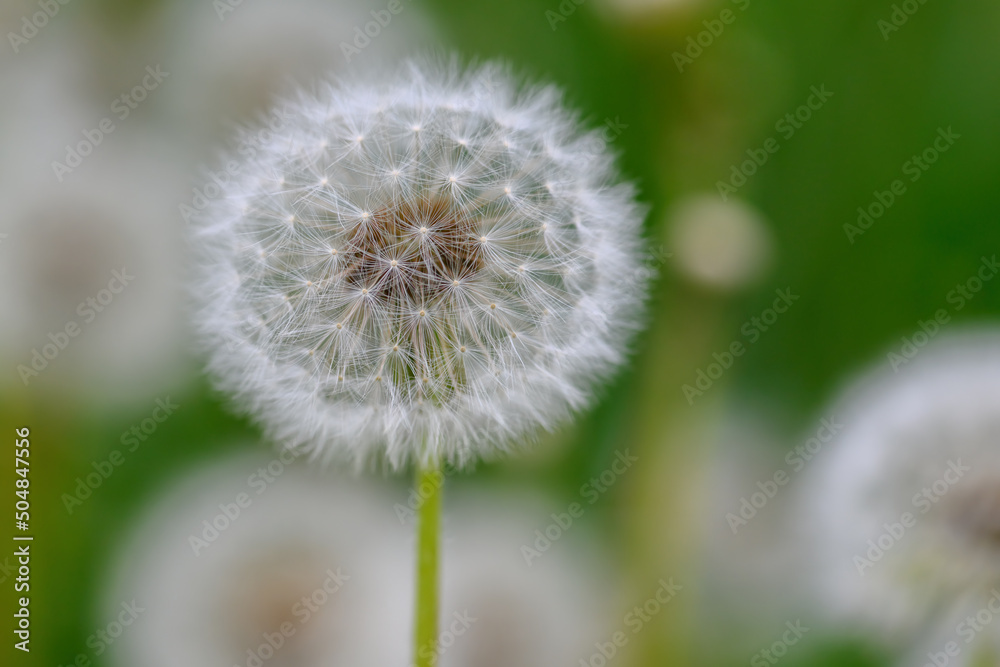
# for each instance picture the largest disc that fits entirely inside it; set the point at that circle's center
(424, 268)
(904, 506)
(318, 565)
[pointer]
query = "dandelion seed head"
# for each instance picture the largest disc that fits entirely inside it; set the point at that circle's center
(404, 364)
(918, 437)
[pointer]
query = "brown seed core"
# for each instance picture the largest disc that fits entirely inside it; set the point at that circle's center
(412, 253)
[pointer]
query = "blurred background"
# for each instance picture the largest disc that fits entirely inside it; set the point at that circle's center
(822, 186)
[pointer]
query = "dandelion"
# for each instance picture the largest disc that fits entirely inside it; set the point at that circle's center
(306, 573)
(109, 226)
(904, 506)
(425, 270)
(538, 616)
(231, 72)
(60, 241)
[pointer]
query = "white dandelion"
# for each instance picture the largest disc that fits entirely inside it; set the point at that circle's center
(249, 561)
(95, 256)
(228, 62)
(505, 612)
(425, 269)
(903, 509)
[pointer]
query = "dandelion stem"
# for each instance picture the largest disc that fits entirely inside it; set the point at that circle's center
(429, 481)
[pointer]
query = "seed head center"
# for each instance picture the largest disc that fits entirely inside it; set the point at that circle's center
(433, 263)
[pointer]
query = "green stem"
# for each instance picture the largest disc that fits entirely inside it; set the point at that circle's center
(429, 482)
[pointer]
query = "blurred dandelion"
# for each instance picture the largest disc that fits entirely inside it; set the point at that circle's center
(903, 509)
(314, 567)
(546, 614)
(230, 68)
(111, 217)
(268, 566)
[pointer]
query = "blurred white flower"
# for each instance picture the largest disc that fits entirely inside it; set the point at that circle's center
(724, 245)
(550, 613)
(426, 268)
(114, 215)
(46, 101)
(231, 60)
(295, 531)
(902, 511)
(319, 570)
(109, 206)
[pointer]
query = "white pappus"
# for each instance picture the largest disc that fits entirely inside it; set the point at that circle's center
(426, 268)
(902, 510)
